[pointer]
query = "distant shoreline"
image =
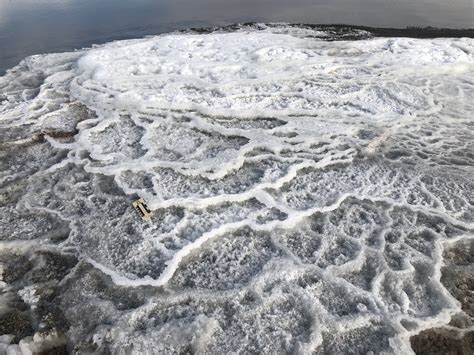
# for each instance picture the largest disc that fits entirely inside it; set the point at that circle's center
(413, 31)
(344, 31)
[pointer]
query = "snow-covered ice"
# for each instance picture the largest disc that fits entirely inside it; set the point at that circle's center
(303, 189)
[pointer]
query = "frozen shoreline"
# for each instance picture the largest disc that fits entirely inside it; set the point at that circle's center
(305, 183)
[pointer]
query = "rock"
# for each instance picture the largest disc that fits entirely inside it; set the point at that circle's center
(16, 323)
(443, 342)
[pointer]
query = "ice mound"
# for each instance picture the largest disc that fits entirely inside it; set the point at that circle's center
(303, 191)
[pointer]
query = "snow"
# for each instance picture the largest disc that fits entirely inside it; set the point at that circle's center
(322, 176)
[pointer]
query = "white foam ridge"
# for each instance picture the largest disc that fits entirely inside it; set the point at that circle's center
(303, 183)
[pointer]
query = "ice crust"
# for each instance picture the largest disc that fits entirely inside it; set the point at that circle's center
(303, 189)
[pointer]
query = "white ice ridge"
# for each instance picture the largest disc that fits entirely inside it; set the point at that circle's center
(328, 172)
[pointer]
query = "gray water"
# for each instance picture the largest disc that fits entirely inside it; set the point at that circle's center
(42, 26)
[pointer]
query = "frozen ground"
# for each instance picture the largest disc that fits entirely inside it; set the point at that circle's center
(304, 192)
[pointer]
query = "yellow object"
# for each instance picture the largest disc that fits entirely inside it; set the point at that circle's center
(142, 209)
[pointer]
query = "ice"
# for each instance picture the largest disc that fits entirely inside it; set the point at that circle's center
(303, 191)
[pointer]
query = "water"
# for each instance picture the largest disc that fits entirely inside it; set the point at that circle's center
(304, 192)
(30, 27)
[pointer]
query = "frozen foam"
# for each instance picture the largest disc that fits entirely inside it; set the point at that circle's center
(302, 189)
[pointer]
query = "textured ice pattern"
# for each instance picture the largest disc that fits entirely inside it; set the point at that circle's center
(302, 188)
